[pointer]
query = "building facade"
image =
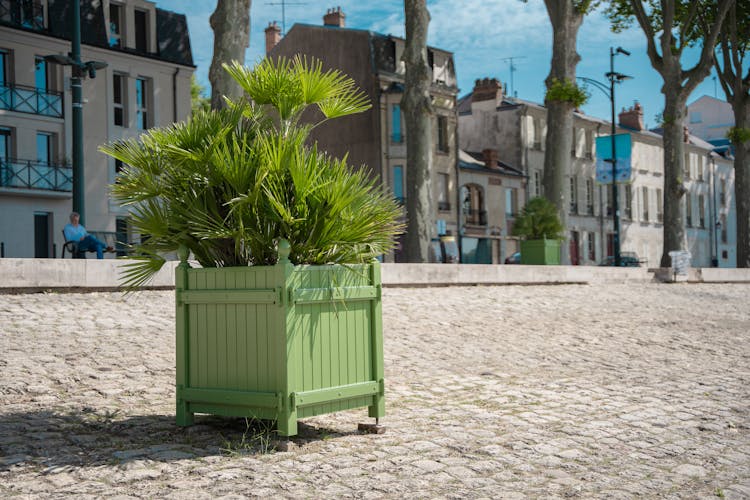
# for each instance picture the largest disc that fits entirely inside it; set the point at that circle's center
(146, 84)
(377, 138)
(710, 119)
(517, 129)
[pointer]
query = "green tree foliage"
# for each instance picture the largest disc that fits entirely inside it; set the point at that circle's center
(230, 183)
(539, 220)
(198, 100)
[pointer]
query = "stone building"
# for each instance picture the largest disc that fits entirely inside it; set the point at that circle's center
(377, 138)
(146, 84)
(517, 129)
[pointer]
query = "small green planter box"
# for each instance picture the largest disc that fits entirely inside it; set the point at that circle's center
(279, 342)
(540, 252)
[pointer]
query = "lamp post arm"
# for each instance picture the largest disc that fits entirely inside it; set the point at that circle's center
(603, 88)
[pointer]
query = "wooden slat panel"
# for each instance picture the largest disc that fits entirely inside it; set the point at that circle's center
(224, 296)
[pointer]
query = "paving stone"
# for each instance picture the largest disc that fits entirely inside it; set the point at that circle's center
(613, 391)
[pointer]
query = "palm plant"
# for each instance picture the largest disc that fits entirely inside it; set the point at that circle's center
(539, 220)
(229, 184)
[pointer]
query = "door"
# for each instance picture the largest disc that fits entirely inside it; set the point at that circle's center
(575, 258)
(42, 240)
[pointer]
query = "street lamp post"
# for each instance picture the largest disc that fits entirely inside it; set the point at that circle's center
(613, 78)
(78, 73)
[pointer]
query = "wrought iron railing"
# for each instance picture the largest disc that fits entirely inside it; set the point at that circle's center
(31, 100)
(27, 174)
(476, 217)
(23, 13)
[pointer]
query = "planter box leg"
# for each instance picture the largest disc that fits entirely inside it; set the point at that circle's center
(377, 410)
(287, 424)
(184, 417)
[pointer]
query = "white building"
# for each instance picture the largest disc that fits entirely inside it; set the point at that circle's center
(517, 129)
(710, 119)
(146, 84)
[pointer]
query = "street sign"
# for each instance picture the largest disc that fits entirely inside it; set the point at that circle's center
(623, 151)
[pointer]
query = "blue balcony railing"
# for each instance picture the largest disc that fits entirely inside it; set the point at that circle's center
(23, 13)
(30, 100)
(27, 174)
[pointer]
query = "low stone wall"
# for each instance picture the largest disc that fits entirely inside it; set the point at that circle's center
(90, 274)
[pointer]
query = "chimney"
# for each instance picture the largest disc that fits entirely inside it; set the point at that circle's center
(632, 118)
(334, 17)
(685, 134)
(273, 36)
(487, 89)
(490, 158)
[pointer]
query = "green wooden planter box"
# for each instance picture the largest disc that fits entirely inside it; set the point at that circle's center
(540, 252)
(279, 342)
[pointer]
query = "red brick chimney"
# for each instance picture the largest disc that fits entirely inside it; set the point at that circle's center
(487, 89)
(632, 118)
(490, 158)
(334, 17)
(273, 36)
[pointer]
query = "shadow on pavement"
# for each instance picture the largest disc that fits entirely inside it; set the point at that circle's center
(93, 437)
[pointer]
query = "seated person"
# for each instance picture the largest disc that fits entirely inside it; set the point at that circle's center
(85, 242)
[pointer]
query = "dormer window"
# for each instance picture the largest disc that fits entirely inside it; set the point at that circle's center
(141, 30)
(115, 25)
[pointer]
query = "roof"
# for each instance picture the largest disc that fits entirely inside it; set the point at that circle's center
(173, 38)
(475, 161)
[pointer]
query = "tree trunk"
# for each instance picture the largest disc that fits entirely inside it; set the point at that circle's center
(742, 181)
(231, 25)
(566, 20)
(418, 121)
(674, 169)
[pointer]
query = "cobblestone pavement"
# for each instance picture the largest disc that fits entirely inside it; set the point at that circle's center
(627, 391)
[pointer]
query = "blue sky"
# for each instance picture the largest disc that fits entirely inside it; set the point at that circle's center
(480, 33)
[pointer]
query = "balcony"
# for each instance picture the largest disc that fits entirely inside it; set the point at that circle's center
(31, 100)
(475, 217)
(27, 174)
(23, 14)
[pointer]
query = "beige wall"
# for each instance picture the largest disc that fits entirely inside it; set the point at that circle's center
(17, 206)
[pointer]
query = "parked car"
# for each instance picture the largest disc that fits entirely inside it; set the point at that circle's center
(627, 259)
(514, 259)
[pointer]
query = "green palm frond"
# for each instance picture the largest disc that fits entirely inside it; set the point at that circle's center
(229, 184)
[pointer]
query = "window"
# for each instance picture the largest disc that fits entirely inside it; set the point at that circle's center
(398, 182)
(4, 56)
(538, 125)
(142, 104)
(511, 202)
(118, 166)
(724, 232)
(41, 80)
(695, 117)
(537, 183)
(5, 153)
(628, 201)
(659, 207)
(723, 192)
(118, 99)
(44, 148)
(141, 30)
(701, 168)
(473, 205)
(610, 199)
(573, 194)
(589, 197)
(442, 128)
(443, 193)
(688, 210)
(122, 236)
(115, 25)
(591, 242)
(687, 166)
(701, 211)
(396, 124)
(644, 203)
